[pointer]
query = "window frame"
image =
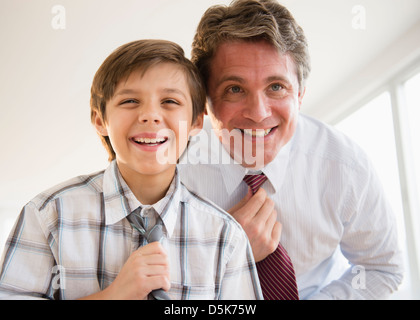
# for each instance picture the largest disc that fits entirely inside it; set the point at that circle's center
(409, 190)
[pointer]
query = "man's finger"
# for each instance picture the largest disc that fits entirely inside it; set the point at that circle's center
(241, 203)
(266, 215)
(276, 234)
(251, 207)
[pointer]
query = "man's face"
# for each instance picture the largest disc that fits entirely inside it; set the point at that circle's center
(253, 94)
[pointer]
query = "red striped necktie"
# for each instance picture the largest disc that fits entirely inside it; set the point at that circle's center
(276, 272)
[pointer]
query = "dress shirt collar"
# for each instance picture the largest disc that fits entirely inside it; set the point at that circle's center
(233, 173)
(120, 200)
(276, 169)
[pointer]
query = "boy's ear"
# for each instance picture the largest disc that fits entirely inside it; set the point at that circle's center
(197, 125)
(100, 125)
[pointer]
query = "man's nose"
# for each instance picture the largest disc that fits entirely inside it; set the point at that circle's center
(257, 108)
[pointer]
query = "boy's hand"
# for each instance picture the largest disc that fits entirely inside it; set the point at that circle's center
(257, 216)
(145, 270)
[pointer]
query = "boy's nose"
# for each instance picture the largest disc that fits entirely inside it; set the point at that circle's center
(150, 115)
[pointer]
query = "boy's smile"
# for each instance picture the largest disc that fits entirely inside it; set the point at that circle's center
(148, 121)
(149, 141)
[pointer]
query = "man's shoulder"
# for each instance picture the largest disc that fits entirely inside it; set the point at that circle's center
(320, 140)
(202, 203)
(311, 129)
(204, 206)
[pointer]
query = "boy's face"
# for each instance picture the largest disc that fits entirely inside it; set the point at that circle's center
(148, 120)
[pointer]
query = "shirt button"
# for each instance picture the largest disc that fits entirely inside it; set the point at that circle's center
(148, 212)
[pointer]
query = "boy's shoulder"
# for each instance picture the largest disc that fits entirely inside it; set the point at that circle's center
(80, 186)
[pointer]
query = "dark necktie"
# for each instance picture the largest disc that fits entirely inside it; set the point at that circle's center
(154, 234)
(276, 272)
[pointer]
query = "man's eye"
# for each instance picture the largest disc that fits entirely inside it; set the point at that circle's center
(276, 87)
(235, 89)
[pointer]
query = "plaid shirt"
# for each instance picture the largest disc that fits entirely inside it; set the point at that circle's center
(73, 240)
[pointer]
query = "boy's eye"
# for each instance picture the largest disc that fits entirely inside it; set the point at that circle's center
(170, 101)
(128, 101)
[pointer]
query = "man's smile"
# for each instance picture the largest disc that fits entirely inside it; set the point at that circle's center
(257, 133)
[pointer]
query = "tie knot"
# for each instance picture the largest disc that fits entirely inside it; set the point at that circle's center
(255, 181)
(155, 233)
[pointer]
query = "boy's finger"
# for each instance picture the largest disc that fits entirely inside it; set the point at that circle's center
(155, 270)
(151, 248)
(159, 282)
(156, 259)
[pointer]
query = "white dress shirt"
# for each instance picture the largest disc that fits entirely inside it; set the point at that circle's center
(72, 241)
(329, 201)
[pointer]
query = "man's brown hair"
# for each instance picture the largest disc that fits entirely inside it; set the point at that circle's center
(141, 54)
(250, 20)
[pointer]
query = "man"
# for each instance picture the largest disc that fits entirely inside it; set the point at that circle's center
(322, 198)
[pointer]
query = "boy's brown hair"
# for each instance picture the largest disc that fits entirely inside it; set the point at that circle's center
(141, 54)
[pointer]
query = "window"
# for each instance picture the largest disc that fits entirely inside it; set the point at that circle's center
(371, 127)
(387, 129)
(412, 93)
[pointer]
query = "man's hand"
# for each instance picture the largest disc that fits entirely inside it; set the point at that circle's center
(145, 270)
(257, 216)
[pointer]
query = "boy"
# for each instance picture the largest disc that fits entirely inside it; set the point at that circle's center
(80, 239)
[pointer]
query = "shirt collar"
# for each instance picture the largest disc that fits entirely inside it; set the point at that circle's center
(168, 207)
(276, 169)
(119, 200)
(233, 173)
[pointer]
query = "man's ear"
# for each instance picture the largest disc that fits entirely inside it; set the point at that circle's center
(100, 125)
(301, 95)
(197, 125)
